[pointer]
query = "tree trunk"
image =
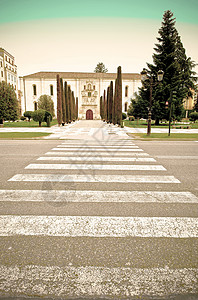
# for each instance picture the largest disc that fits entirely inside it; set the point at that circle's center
(156, 121)
(39, 124)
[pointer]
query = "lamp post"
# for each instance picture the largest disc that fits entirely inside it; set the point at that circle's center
(144, 77)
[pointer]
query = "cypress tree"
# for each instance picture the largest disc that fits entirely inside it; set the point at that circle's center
(105, 106)
(110, 101)
(66, 101)
(59, 101)
(73, 107)
(115, 104)
(119, 96)
(108, 89)
(63, 102)
(76, 108)
(70, 104)
(101, 108)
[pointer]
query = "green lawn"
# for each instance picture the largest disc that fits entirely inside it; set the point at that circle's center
(143, 124)
(28, 124)
(22, 135)
(181, 136)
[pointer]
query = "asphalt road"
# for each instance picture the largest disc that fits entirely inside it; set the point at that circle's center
(97, 241)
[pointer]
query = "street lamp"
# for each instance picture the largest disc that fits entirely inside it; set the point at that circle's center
(144, 77)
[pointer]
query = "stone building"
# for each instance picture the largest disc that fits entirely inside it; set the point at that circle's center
(8, 69)
(88, 87)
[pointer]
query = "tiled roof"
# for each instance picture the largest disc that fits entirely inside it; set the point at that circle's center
(79, 75)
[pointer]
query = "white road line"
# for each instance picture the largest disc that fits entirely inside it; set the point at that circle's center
(97, 150)
(102, 155)
(97, 196)
(69, 281)
(101, 146)
(98, 158)
(94, 226)
(177, 157)
(95, 167)
(94, 178)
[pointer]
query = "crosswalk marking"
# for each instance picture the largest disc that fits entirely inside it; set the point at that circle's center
(71, 281)
(95, 167)
(76, 226)
(97, 196)
(97, 150)
(94, 178)
(106, 154)
(98, 158)
(97, 147)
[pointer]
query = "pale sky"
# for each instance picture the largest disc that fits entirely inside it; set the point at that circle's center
(74, 35)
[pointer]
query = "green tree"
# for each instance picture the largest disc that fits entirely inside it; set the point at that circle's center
(9, 107)
(28, 114)
(193, 116)
(169, 57)
(119, 96)
(45, 102)
(59, 101)
(110, 101)
(100, 68)
(138, 107)
(39, 116)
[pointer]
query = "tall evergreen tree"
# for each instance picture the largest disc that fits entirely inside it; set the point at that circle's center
(9, 106)
(110, 101)
(115, 104)
(63, 102)
(59, 101)
(170, 57)
(104, 106)
(66, 101)
(76, 108)
(119, 96)
(101, 108)
(108, 91)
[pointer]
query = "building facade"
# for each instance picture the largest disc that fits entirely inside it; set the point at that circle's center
(8, 69)
(88, 87)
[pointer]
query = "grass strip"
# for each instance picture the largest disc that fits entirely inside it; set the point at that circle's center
(175, 136)
(22, 135)
(28, 124)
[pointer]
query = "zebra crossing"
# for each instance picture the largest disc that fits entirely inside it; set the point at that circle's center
(99, 166)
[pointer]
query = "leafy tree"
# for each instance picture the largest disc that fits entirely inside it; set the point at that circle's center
(39, 116)
(9, 107)
(138, 107)
(179, 77)
(124, 116)
(100, 68)
(45, 102)
(28, 114)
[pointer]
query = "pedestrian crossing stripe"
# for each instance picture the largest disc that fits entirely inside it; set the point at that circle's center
(95, 226)
(94, 178)
(97, 158)
(103, 147)
(98, 281)
(97, 196)
(97, 150)
(95, 167)
(106, 154)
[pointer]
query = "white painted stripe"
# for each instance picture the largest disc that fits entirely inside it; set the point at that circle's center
(97, 196)
(177, 157)
(84, 155)
(97, 150)
(95, 178)
(101, 146)
(76, 226)
(97, 282)
(95, 167)
(98, 158)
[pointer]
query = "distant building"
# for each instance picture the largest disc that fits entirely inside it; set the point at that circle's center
(88, 87)
(8, 69)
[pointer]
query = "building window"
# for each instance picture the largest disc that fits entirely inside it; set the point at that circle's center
(84, 87)
(125, 106)
(94, 87)
(51, 90)
(126, 90)
(35, 105)
(12, 77)
(34, 89)
(89, 94)
(1, 64)
(89, 86)
(8, 76)
(1, 73)
(6, 58)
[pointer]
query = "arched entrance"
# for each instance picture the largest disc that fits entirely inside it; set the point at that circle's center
(89, 114)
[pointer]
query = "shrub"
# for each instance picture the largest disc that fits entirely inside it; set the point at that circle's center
(131, 118)
(28, 114)
(193, 116)
(124, 116)
(47, 113)
(23, 118)
(39, 116)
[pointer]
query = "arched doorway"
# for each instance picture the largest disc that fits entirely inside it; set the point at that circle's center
(89, 114)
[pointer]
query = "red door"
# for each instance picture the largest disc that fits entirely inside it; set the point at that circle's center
(89, 114)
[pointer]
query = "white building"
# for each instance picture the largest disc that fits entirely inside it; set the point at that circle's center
(8, 69)
(88, 87)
